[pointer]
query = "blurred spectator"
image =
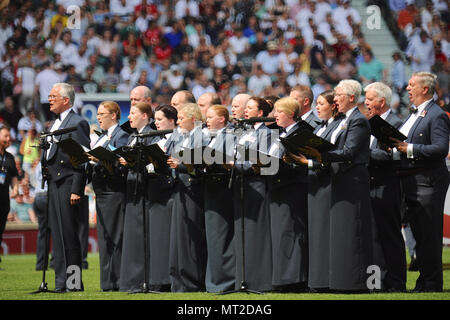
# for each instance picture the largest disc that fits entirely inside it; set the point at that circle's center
(203, 86)
(398, 78)
(175, 34)
(25, 82)
(317, 57)
(407, 15)
(10, 114)
(28, 149)
(59, 18)
(343, 69)
(371, 69)
(74, 79)
(28, 122)
(111, 80)
(106, 44)
(41, 57)
(21, 210)
(89, 84)
(269, 59)
(298, 77)
(421, 53)
(288, 58)
(121, 8)
(186, 8)
(258, 82)
(153, 69)
(43, 84)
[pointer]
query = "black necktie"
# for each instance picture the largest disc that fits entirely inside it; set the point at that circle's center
(413, 109)
(283, 130)
(59, 117)
(324, 123)
(105, 132)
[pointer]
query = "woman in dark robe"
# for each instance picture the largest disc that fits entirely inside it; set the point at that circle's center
(187, 262)
(132, 273)
(219, 221)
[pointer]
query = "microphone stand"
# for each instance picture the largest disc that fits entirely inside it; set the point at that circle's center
(139, 146)
(45, 146)
(243, 286)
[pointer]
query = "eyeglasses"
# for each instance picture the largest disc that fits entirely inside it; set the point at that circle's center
(54, 97)
(101, 114)
(341, 94)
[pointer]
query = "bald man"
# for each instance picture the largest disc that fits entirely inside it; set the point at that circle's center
(181, 97)
(207, 100)
(140, 94)
(238, 105)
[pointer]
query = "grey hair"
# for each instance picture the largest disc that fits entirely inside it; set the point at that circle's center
(351, 87)
(427, 79)
(66, 90)
(382, 91)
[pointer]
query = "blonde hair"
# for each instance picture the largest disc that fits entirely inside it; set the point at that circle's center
(191, 110)
(287, 105)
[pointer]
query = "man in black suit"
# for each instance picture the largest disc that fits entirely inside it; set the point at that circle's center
(66, 189)
(108, 181)
(305, 97)
(424, 177)
(385, 192)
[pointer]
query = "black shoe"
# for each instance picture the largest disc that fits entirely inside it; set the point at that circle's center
(422, 290)
(60, 290)
(413, 265)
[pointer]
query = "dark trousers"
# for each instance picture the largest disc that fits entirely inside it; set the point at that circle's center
(425, 197)
(83, 229)
(4, 210)
(40, 208)
(64, 220)
(385, 199)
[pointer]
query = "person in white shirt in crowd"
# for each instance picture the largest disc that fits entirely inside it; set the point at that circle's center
(66, 48)
(288, 57)
(185, 8)
(175, 78)
(421, 53)
(121, 7)
(340, 15)
(224, 49)
(67, 3)
(81, 59)
(323, 8)
(239, 42)
(324, 28)
(26, 76)
(43, 84)
(258, 81)
(202, 87)
(298, 77)
(269, 59)
(94, 41)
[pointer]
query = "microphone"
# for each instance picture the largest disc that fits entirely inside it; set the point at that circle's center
(152, 133)
(58, 132)
(256, 119)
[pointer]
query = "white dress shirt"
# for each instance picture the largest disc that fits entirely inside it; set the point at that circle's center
(106, 137)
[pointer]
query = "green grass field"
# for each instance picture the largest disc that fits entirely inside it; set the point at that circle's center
(18, 279)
